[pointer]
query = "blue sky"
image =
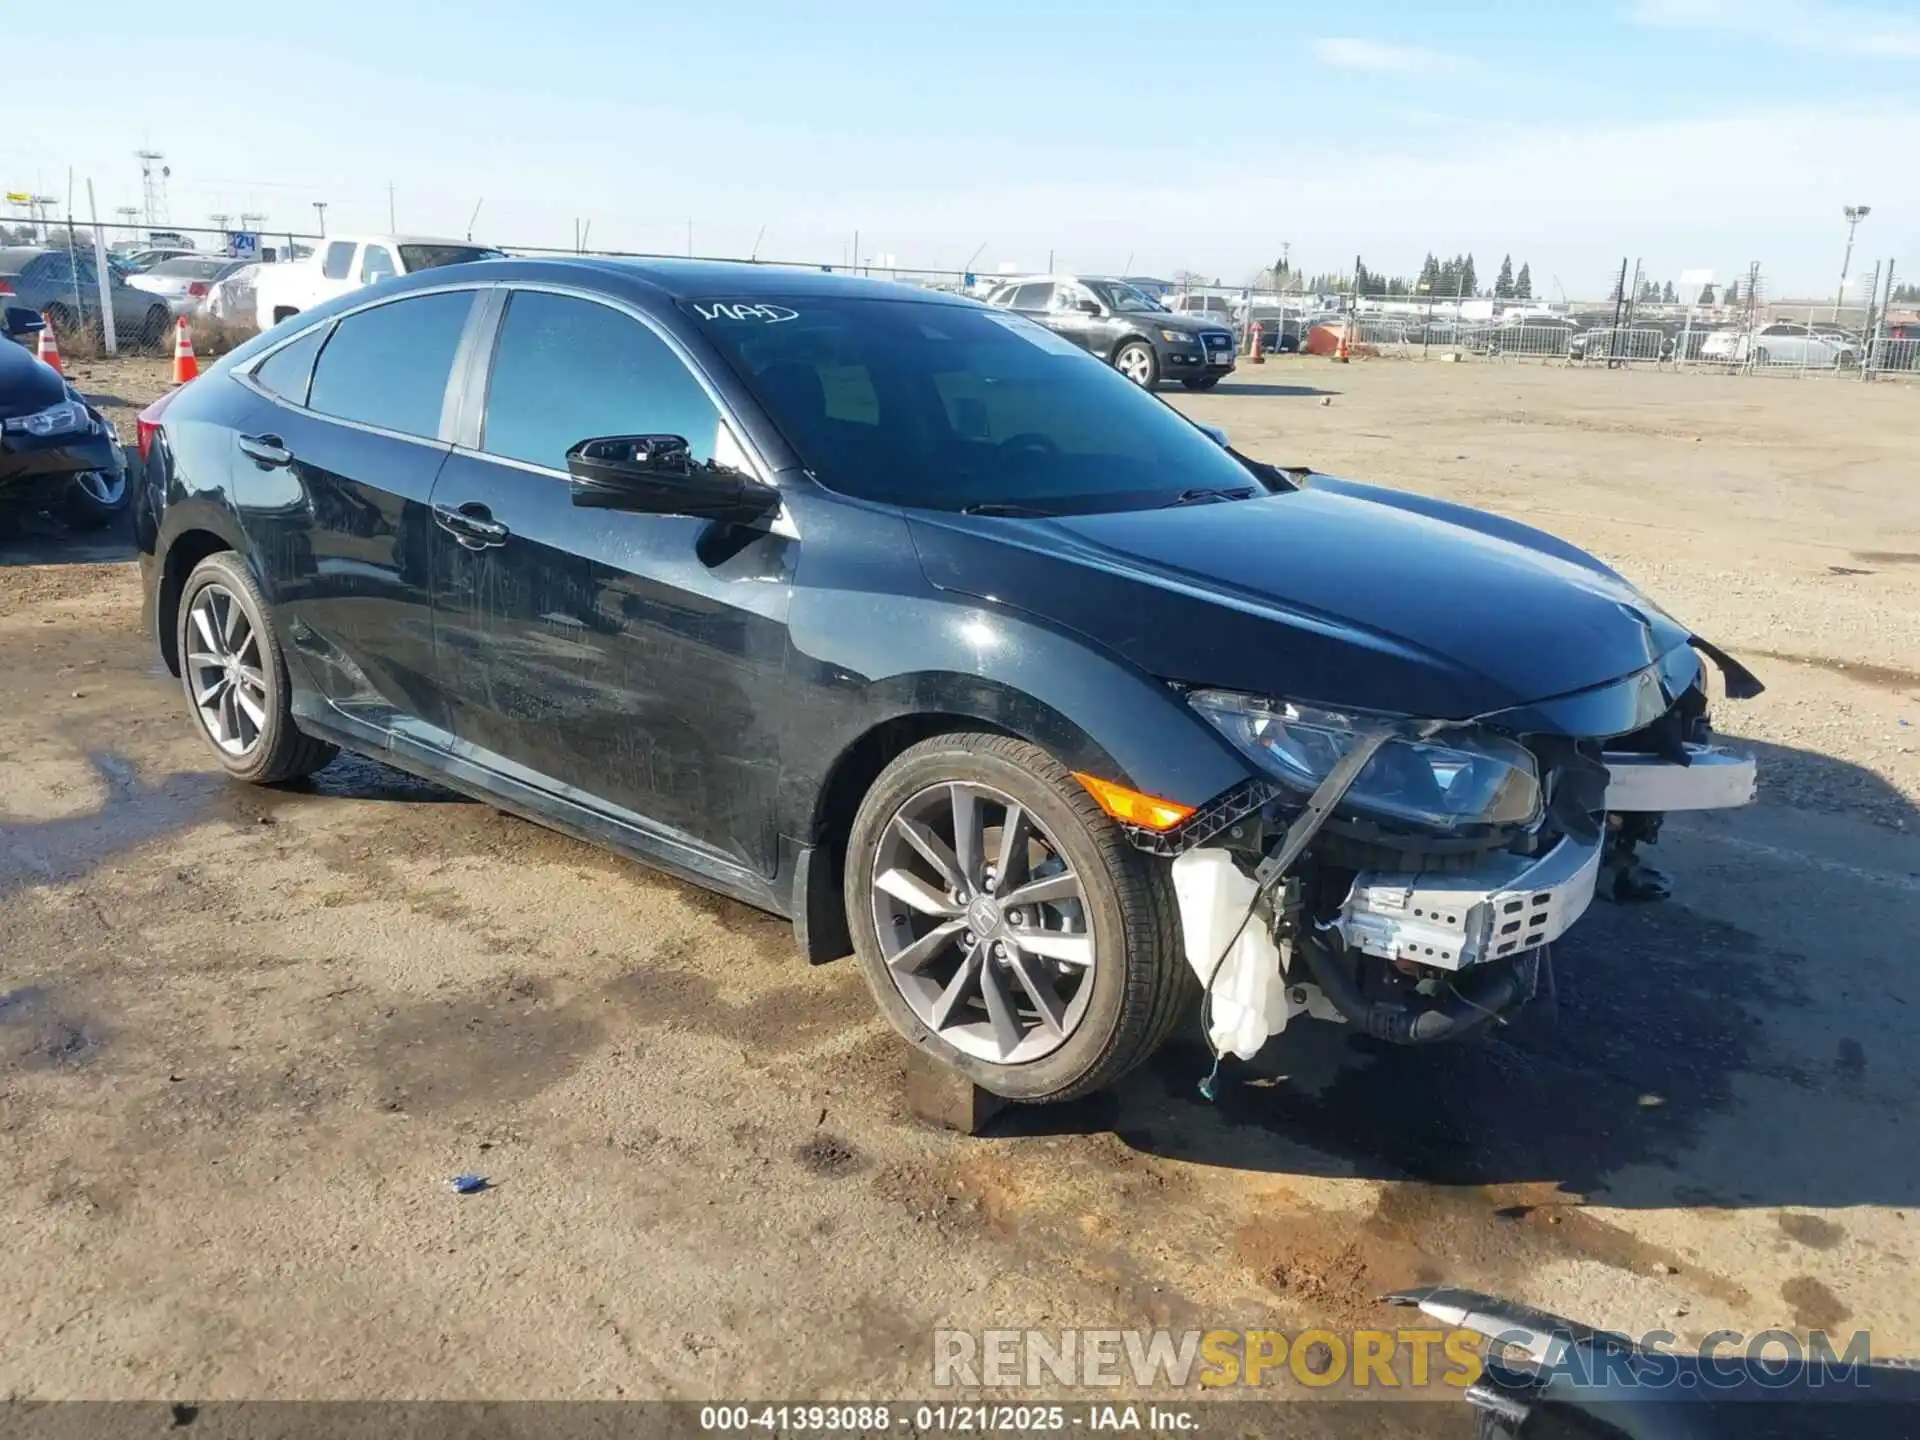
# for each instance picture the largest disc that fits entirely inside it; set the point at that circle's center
(1689, 133)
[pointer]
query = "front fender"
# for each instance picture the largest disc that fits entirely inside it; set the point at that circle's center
(867, 665)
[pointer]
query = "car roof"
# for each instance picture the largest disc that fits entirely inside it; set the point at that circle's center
(691, 279)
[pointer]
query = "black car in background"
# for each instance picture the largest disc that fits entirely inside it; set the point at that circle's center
(900, 616)
(56, 451)
(1124, 327)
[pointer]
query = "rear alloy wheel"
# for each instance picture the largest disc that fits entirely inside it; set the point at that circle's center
(236, 678)
(1005, 924)
(96, 499)
(1137, 362)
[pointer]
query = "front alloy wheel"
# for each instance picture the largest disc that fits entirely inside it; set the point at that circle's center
(1006, 926)
(983, 923)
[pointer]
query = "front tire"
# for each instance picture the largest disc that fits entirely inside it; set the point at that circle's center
(1138, 363)
(1005, 925)
(235, 677)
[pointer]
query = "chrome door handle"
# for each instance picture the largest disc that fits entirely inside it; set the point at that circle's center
(269, 452)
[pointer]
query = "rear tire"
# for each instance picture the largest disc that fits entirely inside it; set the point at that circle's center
(1121, 914)
(247, 719)
(1138, 363)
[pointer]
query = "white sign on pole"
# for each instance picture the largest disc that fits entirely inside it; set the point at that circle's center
(243, 245)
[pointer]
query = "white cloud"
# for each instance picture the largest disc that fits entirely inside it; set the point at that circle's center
(1806, 25)
(1351, 54)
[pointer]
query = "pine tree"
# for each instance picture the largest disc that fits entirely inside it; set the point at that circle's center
(1706, 293)
(1468, 285)
(1430, 275)
(1503, 282)
(1523, 283)
(1667, 297)
(1732, 296)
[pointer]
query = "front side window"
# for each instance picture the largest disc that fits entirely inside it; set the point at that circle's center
(567, 370)
(388, 366)
(375, 265)
(338, 263)
(944, 407)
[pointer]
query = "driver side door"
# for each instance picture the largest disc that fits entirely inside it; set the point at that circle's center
(621, 663)
(1069, 317)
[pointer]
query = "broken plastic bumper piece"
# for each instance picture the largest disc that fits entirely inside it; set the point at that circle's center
(1712, 779)
(1507, 904)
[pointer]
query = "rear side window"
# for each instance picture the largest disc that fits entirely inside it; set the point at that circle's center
(339, 260)
(287, 371)
(568, 370)
(1032, 297)
(388, 366)
(377, 265)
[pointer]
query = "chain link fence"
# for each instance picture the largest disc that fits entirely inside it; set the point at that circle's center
(1637, 327)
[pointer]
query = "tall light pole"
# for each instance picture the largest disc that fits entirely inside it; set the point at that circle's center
(1855, 214)
(320, 209)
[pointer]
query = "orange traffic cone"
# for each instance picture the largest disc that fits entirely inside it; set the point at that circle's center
(185, 366)
(1255, 356)
(49, 349)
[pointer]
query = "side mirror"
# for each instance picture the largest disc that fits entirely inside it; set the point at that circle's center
(19, 321)
(657, 475)
(1087, 307)
(1216, 434)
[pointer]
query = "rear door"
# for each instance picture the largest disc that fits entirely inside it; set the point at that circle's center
(337, 461)
(628, 661)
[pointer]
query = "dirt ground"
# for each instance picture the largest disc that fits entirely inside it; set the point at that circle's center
(245, 1035)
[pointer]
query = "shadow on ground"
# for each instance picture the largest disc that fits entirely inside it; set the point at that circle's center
(1690, 1062)
(43, 540)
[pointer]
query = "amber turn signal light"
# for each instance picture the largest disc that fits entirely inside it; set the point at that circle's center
(1130, 807)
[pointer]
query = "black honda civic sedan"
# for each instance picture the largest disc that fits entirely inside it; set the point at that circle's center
(896, 615)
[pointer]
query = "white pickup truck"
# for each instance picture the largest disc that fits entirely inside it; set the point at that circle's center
(346, 262)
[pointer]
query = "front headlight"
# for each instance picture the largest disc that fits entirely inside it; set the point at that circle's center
(1179, 337)
(1470, 777)
(58, 419)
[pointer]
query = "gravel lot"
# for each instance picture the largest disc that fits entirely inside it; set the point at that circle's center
(244, 1034)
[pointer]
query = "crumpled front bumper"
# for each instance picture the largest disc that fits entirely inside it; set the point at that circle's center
(1510, 903)
(1507, 904)
(1714, 778)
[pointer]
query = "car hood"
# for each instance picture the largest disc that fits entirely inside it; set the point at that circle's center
(1167, 320)
(1338, 594)
(25, 384)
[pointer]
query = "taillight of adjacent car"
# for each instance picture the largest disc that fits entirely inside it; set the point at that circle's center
(148, 421)
(198, 289)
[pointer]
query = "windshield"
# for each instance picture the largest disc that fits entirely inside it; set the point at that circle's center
(431, 257)
(1122, 297)
(947, 407)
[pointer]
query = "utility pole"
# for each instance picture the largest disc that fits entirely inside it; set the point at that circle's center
(475, 215)
(320, 212)
(392, 224)
(153, 185)
(1855, 214)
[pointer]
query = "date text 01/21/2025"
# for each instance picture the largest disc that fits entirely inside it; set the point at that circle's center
(931, 1419)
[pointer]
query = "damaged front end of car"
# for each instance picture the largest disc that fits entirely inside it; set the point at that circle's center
(1409, 876)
